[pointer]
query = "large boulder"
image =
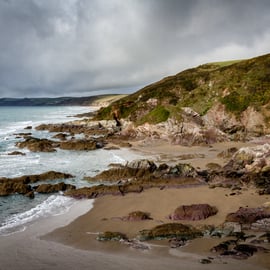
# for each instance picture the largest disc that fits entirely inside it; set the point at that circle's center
(193, 212)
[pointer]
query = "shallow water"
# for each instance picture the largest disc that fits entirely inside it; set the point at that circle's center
(16, 210)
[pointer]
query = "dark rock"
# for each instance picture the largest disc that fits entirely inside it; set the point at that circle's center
(28, 127)
(224, 246)
(30, 194)
(168, 231)
(193, 212)
(111, 236)
(248, 215)
(14, 153)
(205, 261)
(176, 242)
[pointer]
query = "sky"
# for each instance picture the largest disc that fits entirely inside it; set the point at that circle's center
(52, 48)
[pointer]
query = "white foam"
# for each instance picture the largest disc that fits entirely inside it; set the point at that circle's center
(52, 206)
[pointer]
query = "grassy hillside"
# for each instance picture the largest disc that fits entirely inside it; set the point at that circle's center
(236, 84)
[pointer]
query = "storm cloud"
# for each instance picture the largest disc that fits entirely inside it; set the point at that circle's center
(83, 47)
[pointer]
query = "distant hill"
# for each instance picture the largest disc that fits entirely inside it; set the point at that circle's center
(235, 84)
(99, 100)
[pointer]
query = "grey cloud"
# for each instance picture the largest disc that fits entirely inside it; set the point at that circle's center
(80, 47)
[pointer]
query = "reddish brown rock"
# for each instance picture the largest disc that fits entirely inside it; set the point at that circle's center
(248, 215)
(193, 212)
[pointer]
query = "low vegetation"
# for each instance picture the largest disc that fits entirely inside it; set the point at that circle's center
(236, 84)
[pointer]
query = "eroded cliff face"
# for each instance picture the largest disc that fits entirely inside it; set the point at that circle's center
(217, 125)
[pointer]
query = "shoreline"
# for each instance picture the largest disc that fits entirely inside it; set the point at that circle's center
(68, 241)
(39, 248)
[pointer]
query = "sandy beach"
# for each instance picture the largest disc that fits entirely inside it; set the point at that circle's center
(68, 241)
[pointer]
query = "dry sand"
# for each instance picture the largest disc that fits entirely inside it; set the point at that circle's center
(74, 246)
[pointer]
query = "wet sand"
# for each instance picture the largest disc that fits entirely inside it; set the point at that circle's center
(68, 241)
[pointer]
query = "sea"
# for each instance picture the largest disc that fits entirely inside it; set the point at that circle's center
(17, 212)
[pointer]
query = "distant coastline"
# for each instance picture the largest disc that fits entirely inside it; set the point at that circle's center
(99, 100)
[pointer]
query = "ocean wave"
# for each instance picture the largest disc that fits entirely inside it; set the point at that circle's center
(52, 206)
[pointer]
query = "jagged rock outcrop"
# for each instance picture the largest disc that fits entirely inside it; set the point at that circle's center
(193, 212)
(21, 184)
(146, 170)
(38, 145)
(46, 145)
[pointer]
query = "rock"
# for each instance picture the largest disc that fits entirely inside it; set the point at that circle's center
(30, 194)
(80, 145)
(176, 242)
(38, 145)
(137, 216)
(193, 212)
(224, 246)
(49, 188)
(111, 236)
(205, 261)
(228, 153)
(213, 167)
(168, 231)
(16, 153)
(61, 136)
(21, 184)
(248, 215)
(262, 225)
(28, 127)
(10, 187)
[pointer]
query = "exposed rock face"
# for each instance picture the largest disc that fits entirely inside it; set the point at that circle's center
(168, 231)
(193, 212)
